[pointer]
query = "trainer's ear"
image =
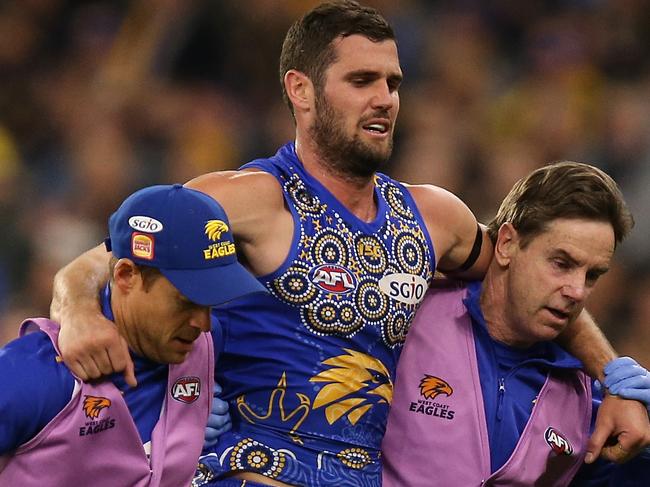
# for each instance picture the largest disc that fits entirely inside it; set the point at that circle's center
(126, 275)
(506, 245)
(300, 90)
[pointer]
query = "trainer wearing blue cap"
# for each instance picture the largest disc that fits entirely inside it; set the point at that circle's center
(173, 256)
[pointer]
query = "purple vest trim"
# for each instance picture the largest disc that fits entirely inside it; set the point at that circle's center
(437, 434)
(94, 436)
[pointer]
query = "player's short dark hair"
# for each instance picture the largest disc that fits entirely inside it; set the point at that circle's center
(563, 189)
(308, 46)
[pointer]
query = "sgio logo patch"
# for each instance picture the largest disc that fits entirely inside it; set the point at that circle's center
(558, 442)
(145, 224)
(405, 288)
(186, 389)
(333, 278)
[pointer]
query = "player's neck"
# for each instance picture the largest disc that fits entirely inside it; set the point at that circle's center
(354, 192)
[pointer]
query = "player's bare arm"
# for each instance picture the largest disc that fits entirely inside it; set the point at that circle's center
(622, 427)
(453, 230)
(585, 341)
(261, 224)
(90, 344)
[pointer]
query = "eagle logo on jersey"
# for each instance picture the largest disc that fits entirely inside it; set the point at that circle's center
(214, 229)
(354, 384)
(431, 386)
(94, 404)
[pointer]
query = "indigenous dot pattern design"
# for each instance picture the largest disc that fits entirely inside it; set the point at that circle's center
(356, 458)
(334, 280)
(253, 456)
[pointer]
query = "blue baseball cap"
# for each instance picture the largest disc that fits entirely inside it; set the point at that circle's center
(186, 235)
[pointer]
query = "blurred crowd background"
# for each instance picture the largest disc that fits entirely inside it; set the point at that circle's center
(99, 98)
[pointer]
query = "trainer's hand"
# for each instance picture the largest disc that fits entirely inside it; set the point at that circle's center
(219, 420)
(626, 378)
(94, 351)
(622, 430)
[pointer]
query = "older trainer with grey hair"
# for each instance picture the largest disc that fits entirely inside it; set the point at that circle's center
(483, 396)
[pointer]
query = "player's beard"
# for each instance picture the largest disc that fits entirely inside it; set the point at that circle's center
(345, 155)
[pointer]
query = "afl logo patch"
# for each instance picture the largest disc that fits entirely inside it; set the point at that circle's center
(186, 389)
(145, 224)
(333, 278)
(558, 442)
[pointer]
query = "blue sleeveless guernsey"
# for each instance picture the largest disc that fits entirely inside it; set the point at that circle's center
(309, 369)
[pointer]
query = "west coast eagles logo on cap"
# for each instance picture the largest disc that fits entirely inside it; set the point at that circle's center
(214, 229)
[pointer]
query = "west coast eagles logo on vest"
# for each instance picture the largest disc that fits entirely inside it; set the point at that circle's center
(348, 274)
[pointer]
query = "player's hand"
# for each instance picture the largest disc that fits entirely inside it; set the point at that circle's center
(622, 430)
(94, 351)
(626, 378)
(219, 420)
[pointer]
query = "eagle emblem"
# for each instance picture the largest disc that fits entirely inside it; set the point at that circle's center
(94, 404)
(355, 383)
(214, 229)
(431, 386)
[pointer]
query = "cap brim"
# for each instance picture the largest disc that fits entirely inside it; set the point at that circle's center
(216, 285)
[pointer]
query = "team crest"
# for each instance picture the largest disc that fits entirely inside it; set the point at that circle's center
(558, 442)
(93, 405)
(186, 389)
(431, 386)
(355, 382)
(214, 229)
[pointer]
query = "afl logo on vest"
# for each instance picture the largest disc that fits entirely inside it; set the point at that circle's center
(557, 441)
(333, 278)
(186, 389)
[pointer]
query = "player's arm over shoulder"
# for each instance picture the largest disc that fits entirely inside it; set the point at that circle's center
(259, 219)
(453, 230)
